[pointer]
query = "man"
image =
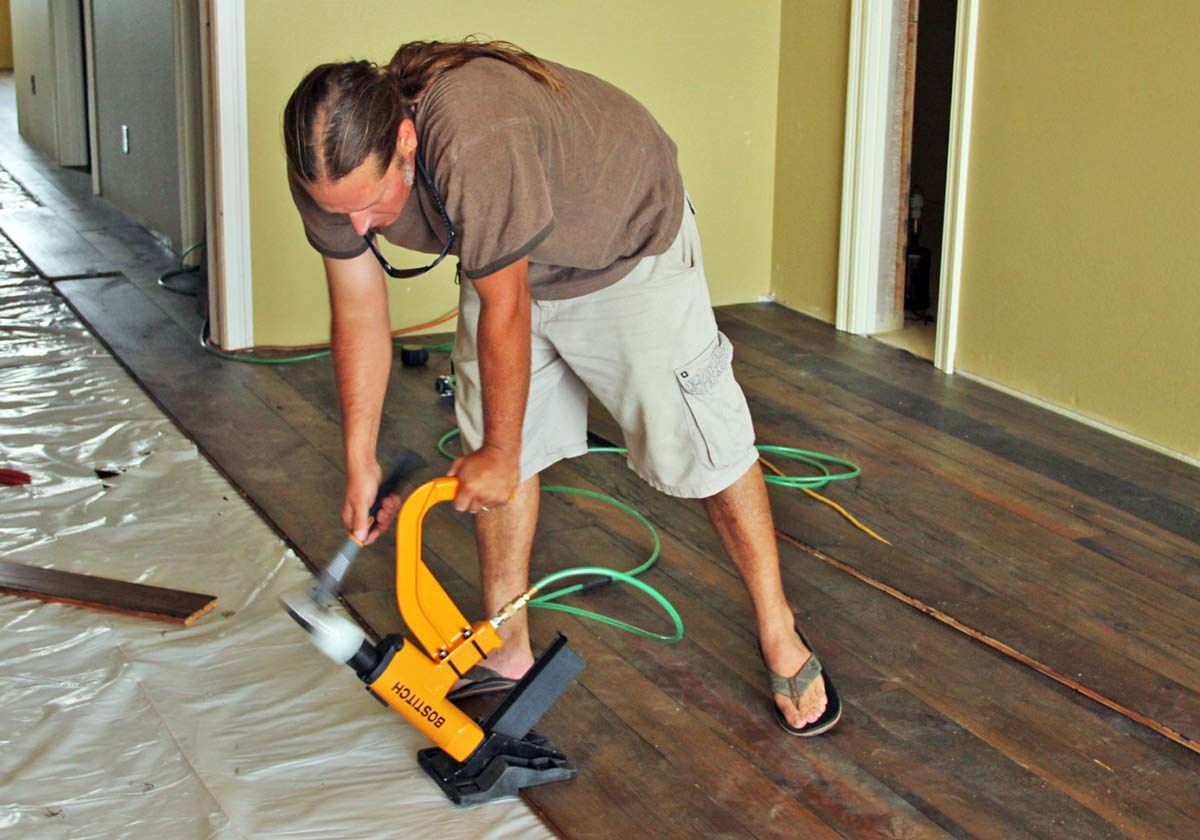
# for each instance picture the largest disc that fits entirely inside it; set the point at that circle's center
(582, 270)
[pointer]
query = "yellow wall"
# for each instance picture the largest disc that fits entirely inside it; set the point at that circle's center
(1081, 247)
(707, 70)
(813, 59)
(1082, 254)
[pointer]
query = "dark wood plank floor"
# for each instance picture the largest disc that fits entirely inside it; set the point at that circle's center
(1064, 545)
(942, 735)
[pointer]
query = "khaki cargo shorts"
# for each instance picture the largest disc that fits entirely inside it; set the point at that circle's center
(648, 348)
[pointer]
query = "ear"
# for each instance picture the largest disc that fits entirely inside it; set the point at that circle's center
(406, 138)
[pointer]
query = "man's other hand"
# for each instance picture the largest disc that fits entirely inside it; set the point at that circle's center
(487, 479)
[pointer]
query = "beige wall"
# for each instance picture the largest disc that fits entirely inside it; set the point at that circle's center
(808, 176)
(707, 70)
(135, 86)
(1082, 253)
(47, 41)
(33, 55)
(6, 39)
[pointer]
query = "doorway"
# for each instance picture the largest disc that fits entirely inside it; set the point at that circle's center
(906, 160)
(924, 107)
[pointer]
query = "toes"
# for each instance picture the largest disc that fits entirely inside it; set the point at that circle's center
(795, 717)
(811, 707)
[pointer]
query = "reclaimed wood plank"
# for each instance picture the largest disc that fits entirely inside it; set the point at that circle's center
(51, 246)
(106, 594)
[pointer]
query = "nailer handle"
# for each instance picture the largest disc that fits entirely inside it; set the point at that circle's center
(430, 615)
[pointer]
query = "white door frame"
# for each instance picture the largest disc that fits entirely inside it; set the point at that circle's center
(231, 304)
(863, 171)
(868, 109)
(954, 230)
(89, 56)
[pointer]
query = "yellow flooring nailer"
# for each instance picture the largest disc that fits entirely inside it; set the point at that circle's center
(474, 761)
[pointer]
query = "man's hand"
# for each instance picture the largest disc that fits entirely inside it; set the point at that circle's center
(487, 479)
(362, 485)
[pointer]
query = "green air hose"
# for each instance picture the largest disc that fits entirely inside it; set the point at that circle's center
(183, 268)
(549, 600)
(813, 459)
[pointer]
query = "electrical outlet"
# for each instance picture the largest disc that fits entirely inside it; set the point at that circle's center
(125, 139)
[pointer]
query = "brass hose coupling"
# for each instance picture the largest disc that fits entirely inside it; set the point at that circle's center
(513, 607)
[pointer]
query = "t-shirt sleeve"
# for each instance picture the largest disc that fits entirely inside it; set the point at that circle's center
(498, 198)
(330, 234)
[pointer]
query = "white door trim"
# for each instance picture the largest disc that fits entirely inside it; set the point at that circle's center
(89, 57)
(867, 112)
(863, 167)
(962, 96)
(229, 242)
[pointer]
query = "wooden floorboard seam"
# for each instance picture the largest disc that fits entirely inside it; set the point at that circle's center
(994, 644)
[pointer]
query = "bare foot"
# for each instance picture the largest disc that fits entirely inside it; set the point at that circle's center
(785, 654)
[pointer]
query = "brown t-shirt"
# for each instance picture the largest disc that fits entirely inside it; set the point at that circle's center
(584, 182)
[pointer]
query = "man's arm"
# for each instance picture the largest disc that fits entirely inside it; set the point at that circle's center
(362, 361)
(489, 476)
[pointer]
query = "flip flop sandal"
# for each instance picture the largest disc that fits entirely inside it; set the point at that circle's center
(480, 681)
(795, 686)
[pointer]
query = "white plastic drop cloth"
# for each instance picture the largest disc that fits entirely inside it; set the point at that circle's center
(114, 727)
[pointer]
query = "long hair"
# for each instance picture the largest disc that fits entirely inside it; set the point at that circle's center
(340, 115)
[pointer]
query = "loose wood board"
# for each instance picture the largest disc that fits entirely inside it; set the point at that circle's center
(107, 594)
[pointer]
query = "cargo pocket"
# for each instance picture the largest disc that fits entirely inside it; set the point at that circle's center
(718, 418)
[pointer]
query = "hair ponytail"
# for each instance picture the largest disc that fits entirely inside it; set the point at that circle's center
(340, 115)
(418, 63)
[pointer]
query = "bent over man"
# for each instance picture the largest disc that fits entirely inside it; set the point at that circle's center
(562, 199)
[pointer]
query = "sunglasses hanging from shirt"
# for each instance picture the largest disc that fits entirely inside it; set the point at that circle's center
(451, 233)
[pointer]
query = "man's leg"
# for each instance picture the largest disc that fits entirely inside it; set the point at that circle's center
(555, 428)
(741, 515)
(504, 538)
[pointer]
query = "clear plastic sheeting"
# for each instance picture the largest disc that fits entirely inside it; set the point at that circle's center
(111, 726)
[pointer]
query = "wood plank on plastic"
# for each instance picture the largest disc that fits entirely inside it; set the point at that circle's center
(101, 593)
(55, 249)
